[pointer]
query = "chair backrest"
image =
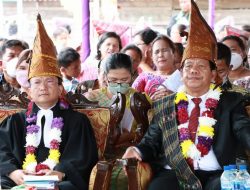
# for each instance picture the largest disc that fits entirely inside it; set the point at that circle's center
(103, 120)
(100, 121)
(11, 101)
(4, 113)
(79, 101)
(11, 97)
(140, 106)
(117, 109)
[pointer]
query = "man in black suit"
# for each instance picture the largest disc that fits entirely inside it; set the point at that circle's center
(49, 138)
(198, 130)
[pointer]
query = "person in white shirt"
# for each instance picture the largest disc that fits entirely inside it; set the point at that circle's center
(198, 130)
(49, 138)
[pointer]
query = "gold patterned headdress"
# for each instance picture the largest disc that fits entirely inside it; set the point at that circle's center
(43, 61)
(201, 41)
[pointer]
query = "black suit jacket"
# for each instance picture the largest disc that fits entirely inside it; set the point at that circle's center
(232, 131)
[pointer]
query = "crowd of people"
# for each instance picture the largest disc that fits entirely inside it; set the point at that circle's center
(199, 88)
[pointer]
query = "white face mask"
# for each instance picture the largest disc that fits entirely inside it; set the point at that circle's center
(11, 67)
(236, 60)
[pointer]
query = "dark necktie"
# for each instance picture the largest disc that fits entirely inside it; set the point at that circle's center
(42, 129)
(194, 118)
(42, 151)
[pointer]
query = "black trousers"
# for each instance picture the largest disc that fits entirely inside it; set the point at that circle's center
(166, 179)
(7, 183)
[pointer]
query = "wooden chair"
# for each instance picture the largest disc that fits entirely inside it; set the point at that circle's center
(139, 173)
(104, 122)
(140, 106)
(101, 173)
(11, 101)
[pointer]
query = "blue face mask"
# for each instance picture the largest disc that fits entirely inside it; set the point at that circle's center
(118, 87)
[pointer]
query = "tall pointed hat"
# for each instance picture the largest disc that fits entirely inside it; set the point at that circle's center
(43, 61)
(201, 41)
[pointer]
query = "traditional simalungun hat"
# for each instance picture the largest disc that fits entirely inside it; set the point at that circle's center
(43, 60)
(201, 41)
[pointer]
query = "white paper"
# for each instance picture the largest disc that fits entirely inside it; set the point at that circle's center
(173, 82)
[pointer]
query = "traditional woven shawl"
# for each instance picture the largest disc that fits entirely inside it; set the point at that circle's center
(165, 116)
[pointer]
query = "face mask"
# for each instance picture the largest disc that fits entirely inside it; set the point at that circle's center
(236, 61)
(11, 67)
(22, 78)
(115, 87)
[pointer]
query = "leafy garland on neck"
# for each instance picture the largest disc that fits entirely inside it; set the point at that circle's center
(30, 163)
(205, 132)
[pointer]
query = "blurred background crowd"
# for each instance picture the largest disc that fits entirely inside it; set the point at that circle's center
(86, 32)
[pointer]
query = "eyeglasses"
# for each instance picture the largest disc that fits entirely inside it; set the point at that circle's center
(112, 84)
(115, 82)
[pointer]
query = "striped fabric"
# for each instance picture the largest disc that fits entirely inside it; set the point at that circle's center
(165, 116)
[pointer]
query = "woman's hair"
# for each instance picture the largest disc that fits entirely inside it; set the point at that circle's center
(239, 42)
(147, 35)
(105, 36)
(117, 61)
(166, 39)
(179, 48)
(24, 55)
(132, 47)
(236, 39)
(223, 52)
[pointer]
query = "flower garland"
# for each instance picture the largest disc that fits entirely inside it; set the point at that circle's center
(205, 130)
(30, 164)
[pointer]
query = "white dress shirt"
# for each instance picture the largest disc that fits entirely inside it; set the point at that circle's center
(48, 113)
(208, 162)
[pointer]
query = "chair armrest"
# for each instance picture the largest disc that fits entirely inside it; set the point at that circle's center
(139, 173)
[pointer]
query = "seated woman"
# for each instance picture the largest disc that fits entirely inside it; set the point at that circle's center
(239, 74)
(108, 43)
(163, 57)
(118, 73)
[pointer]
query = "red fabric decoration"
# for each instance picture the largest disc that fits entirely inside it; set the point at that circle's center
(202, 149)
(182, 115)
(41, 167)
(211, 103)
